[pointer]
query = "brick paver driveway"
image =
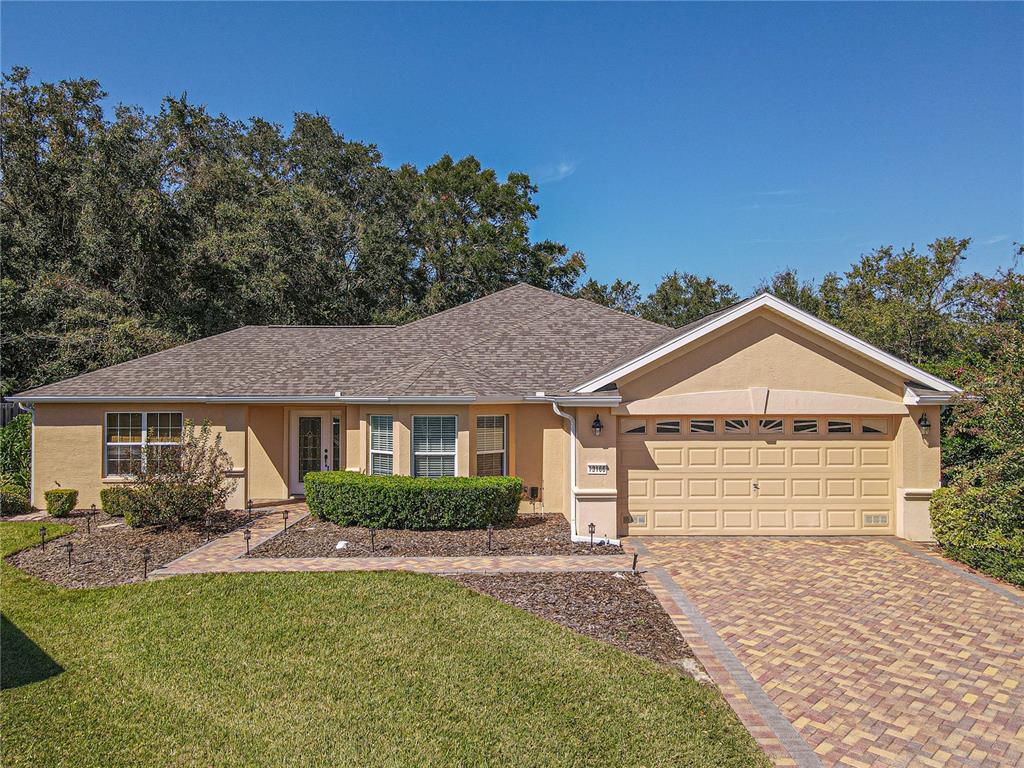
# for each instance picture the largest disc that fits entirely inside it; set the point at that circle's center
(855, 652)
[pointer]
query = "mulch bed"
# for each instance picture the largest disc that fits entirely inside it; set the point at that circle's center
(113, 554)
(528, 535)
(613, 608)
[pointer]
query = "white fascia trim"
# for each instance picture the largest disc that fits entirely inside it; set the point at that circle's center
(576, 402)
(784, 308)
(916, 397)
(316, 400)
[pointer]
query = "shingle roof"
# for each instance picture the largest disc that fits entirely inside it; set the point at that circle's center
(511, 343)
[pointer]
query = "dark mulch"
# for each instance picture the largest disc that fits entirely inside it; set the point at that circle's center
(113, 555)
(528, 535)
(617, 609)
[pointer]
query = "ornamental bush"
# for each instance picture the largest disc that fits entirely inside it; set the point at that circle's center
(14, 500)
(60, 502)
(982, 527)
(114, 501)
(165, 504)
(416, 503)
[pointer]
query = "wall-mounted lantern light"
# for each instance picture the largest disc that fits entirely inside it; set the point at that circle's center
(924, 424)
(596, 425)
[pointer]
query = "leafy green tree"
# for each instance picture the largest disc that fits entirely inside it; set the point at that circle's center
(621, 295)
(786, 285)
(682, 297)
(16, 452)
(126, 235)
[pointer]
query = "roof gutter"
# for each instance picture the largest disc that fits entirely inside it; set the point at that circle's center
(318, 399)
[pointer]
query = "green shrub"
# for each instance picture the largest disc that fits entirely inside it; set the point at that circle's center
(417, 503)
(60, 502)
(14, 500)
(114, 500)
(982, 527)
(16, 451)
(163, 504)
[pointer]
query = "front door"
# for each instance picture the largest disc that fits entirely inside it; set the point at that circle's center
(311, 447)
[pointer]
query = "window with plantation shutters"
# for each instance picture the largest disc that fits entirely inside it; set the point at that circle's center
(433, 445)
(490, 445)
(382, 445)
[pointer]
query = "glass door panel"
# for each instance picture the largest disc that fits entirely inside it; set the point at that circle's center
(310, 444)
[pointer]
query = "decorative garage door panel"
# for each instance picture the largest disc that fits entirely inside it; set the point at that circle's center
(727, 485)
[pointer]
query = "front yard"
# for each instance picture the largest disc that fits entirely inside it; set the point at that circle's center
(330, 669)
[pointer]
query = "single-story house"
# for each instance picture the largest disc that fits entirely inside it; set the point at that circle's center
(759, 419)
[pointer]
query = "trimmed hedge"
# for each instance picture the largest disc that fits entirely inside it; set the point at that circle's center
(14, 500)
(416, 503)
(982, 527)
(162, 505)
(60, 502)
(114, 501)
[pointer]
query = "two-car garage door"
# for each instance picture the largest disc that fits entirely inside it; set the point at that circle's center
(759, 475)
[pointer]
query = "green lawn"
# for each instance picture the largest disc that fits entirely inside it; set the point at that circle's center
(329, 670)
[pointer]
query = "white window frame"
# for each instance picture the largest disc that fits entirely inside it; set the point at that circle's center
(145, 441)
(373, 452)
(412, 440)
(504, 440)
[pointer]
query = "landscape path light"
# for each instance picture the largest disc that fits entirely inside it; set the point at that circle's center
(591, 528)
(68, 546)
(490, 533)
(248, 535)
(373, 540)
(146, 554)
(42, 536)
(88, 519)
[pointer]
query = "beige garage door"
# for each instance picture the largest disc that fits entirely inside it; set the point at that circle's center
(763, 475)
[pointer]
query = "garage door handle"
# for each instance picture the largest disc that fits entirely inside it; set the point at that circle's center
(757, 487)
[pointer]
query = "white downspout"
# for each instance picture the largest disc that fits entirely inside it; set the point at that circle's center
(572, 469)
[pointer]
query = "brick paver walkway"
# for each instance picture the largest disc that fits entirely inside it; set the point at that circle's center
(226, 555)
(852, 652)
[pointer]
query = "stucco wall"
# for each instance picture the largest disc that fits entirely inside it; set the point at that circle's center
(267, 465)
(69, 444)
(765, 350)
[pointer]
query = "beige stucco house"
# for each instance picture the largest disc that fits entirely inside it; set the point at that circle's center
(757, 420)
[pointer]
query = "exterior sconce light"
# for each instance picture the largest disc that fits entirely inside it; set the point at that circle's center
(596, 425)
(924, 424)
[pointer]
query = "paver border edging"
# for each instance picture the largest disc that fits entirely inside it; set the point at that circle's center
(801, 752)
(959, 570)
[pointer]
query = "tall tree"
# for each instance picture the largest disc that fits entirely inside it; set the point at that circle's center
(682, 297)
(623, 295)
(127, 235)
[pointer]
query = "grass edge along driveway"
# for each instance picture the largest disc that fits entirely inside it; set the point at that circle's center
(329, 669)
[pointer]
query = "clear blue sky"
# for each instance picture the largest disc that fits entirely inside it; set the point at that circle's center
(729, 139)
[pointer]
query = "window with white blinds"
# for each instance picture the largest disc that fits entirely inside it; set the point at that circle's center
(382, 445)
(490, 445)
(433, 445)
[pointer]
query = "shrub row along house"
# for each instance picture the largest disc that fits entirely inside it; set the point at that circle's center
(758, 419)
